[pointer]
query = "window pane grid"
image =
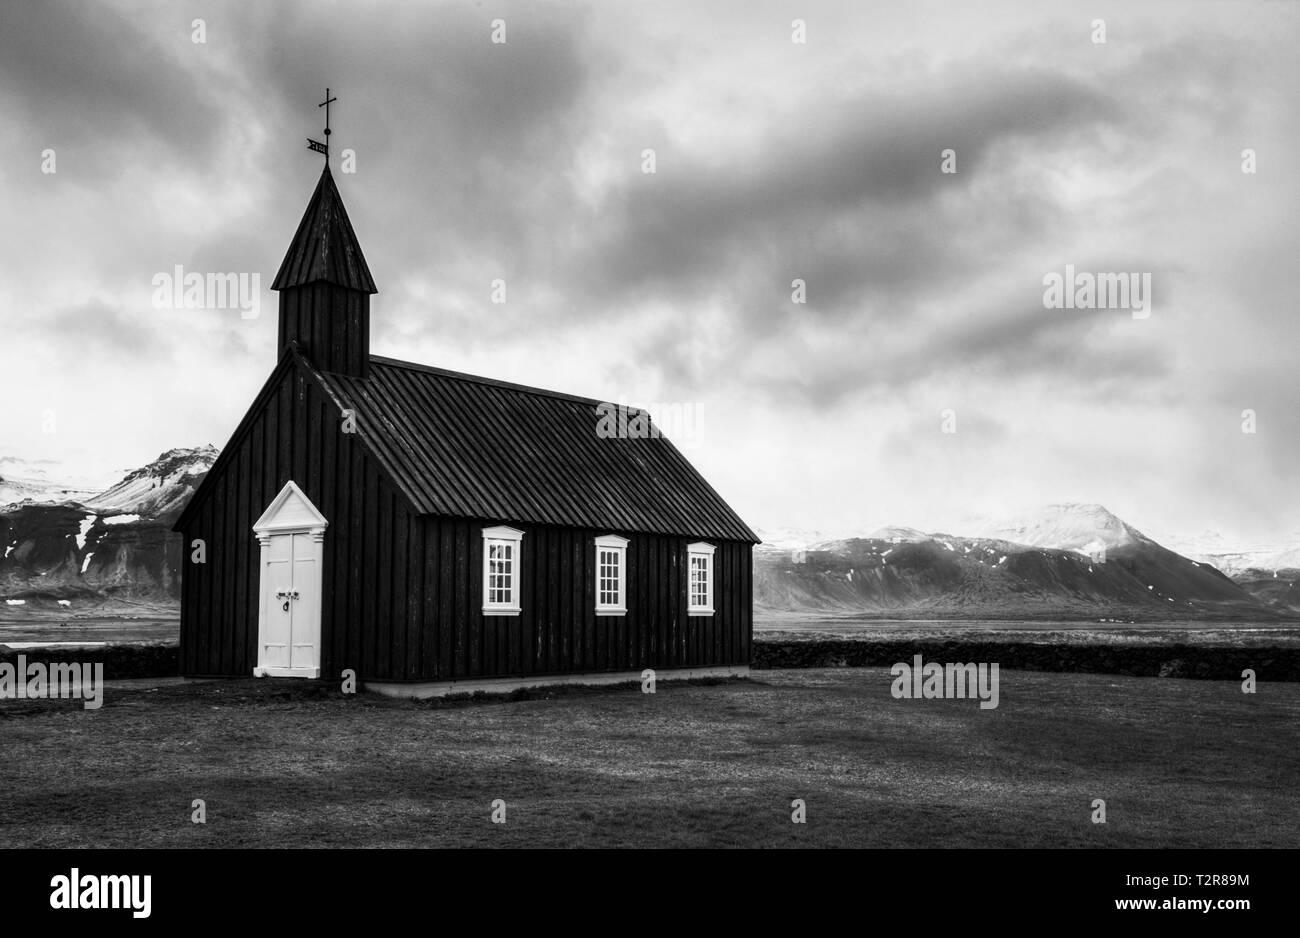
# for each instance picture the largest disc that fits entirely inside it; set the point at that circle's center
(500, 573)
(608, 585)
(699, 582)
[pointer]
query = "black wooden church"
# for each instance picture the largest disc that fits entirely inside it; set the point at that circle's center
(431, 530)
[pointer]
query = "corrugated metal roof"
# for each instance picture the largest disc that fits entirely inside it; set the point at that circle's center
(325, 247)
(473, 447)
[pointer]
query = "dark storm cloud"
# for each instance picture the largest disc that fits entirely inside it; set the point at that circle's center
(428, 75)
(874, 161)
(848, 197)
(1069, 347)
(454, 135)
(842, 194)
(93, 82)
(521, 161)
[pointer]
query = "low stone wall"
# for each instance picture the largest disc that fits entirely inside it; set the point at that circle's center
(146, 659)
(1210, 662)
(1189, 661)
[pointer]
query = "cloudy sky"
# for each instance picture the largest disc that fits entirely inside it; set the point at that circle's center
(775, 160)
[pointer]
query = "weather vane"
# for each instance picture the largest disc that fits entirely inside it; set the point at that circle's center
(316, 145)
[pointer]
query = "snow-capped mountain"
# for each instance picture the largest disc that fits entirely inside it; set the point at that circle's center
(160, 488)
(1066, 561)
(102, 552)
(896, 533)
(1067, 526)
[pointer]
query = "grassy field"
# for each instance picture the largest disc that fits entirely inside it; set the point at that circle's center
(1179, 763)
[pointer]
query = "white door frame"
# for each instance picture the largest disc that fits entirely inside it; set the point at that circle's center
(291, 512)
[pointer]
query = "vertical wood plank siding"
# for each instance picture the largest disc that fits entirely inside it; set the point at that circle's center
(558, 629)
(297, 436)
(403, 593)
(331, 324)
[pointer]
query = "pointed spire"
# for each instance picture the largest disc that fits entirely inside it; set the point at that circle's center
(325, 248)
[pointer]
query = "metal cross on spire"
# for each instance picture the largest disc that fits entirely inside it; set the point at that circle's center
(315, 145)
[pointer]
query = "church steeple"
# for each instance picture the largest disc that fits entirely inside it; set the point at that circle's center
(325, 286)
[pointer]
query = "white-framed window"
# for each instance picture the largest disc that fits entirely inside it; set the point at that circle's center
(699, 560)
(611, 575)
(501, 554)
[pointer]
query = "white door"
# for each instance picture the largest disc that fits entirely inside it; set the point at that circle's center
(277, 608)
(291, 604)
(304, 608)
(291, 533)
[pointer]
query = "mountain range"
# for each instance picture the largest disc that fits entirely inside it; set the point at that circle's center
(110, 552)
(1064, 561)
(67, 550)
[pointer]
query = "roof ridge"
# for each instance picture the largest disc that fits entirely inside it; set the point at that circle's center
(496, 382)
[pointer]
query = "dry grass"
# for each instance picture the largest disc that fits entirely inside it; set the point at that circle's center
(1179, 763)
